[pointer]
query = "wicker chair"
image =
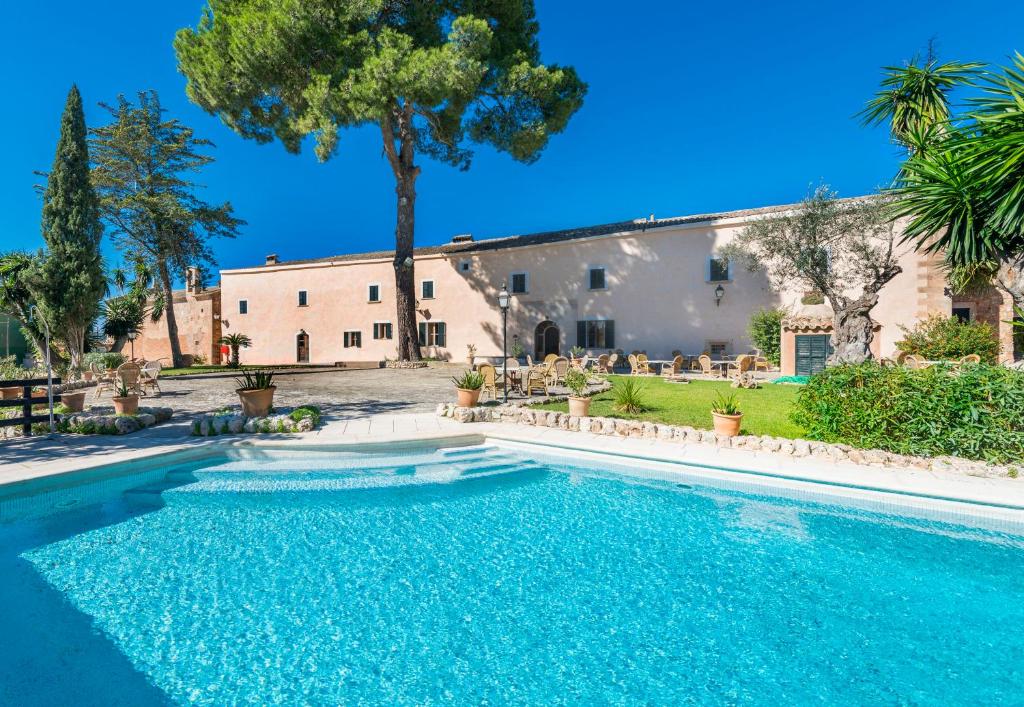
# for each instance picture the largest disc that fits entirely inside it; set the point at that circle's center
(673, 371)
(561, 367)
(642, 362)
(705, 365)
(129, 376)
(613, 361)
(104, 379)
(602, 365)
(696, 364)
(741, 365)
(536, 379)
(150, 377)
(550, 357)
(490, 386)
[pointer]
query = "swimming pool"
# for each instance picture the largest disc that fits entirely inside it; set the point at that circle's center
(485, 574)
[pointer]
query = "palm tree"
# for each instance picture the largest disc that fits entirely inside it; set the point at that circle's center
(236, 342)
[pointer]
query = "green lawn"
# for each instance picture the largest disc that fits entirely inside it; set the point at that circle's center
(765, 410)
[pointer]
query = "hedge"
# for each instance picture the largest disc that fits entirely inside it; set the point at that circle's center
(975, 412)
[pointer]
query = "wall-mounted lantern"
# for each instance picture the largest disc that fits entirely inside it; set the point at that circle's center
(719, 294)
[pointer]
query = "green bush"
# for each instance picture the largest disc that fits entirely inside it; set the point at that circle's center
(304, 411)
(629, 396)
(976, 412)
(107, 360)
(765, 332)
(941, 338)
(10, 370)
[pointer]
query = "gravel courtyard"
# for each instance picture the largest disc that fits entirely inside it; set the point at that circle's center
(340, 393)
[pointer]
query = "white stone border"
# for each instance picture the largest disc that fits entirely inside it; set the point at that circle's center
(521, 414)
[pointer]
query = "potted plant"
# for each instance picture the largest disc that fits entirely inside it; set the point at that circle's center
(10, 370)
(727, 415)
(469, 385)
(75, 402)
(125, 402)
(576, 352)
(470, 354)
(518, 352)
(256, 392)
(577, 383)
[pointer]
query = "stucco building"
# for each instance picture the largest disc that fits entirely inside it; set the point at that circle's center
(657, 285)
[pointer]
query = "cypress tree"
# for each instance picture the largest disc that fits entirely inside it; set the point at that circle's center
(68, 281)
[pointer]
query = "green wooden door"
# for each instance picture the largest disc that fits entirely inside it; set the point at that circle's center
(811, 352)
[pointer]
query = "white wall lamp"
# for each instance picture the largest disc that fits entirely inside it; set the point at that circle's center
(719, 294)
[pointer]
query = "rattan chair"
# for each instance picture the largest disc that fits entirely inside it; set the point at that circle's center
(129, 376)
(150, 377)
(490, 385)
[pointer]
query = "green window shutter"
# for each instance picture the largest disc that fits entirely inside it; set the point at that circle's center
(581, 334)
(609, 334)
(423, 333)
(442, 334)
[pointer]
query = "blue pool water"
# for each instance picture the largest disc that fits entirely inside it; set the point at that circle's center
(489, 576)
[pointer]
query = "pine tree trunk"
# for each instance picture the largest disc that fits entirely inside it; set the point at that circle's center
(172, 323)
(405, 280)
(852, 330)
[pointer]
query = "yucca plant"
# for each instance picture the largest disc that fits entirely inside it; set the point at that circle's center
(255, 380)
(629, 397)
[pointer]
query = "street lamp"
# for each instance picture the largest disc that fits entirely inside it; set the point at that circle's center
(503, 301)
(33, 310)
(132, 336)
(719, 294)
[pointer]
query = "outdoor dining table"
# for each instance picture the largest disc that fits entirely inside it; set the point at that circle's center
(515, 377)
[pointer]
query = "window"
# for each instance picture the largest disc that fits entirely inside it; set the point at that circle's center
(353, 339)
(519, 283)
(432, 334)
(382, 330)
(962, 313)
(718, 349)
(427, 289)
(597, 280)
(596, 334)
(719, 269)
(465, 266)
(303, 300)
(373, 293)
(243, 306)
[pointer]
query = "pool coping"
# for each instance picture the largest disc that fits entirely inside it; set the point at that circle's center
(1001, 499)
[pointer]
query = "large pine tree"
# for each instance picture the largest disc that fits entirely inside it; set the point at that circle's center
(68, 282)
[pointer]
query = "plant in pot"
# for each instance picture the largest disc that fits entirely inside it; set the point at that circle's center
(725, 411)
(256, 392)
(75, 401)
(577, 352)
(10, 370)
(470, 354)
(469, 385)
(126, 402)
(577, 383)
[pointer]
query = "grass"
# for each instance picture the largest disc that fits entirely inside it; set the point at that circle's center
(765, 410)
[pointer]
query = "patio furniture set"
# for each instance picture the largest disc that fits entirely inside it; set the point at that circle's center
(135, 377)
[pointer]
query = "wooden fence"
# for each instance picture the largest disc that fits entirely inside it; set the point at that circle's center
(26, 402)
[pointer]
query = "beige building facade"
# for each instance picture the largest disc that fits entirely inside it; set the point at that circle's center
(656, 285)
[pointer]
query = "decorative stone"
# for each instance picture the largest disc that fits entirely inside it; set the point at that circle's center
(708, 437)
(584, 424)
(573, 423)
(609, 426)
(664, 432)
(787, 448)
(801, 448)
(723, 440)
(463, 415)
(770, 444)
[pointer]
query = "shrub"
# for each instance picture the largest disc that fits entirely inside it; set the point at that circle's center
(577, 382)
(629, 396)
(304, 411)
(9, 368)
(976, 412)
(106, 359)
(941, 338)
(765, 332)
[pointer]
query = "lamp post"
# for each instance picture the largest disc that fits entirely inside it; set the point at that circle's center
(132, 336)
(49, 367)
(503, 300)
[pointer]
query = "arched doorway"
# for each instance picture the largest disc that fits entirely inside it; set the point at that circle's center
(546, 339)
(302, 347)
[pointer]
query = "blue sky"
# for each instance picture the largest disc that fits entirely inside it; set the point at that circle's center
(692, 107)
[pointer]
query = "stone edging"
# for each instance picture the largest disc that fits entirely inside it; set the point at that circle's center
(522, 415)
(236, 423)
(405, 364)
(104, 421)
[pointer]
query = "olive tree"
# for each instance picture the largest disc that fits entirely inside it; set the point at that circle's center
(430, 75)
(844, 249)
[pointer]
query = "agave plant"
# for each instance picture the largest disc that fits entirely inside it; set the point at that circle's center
(255, 380)
(726, 405)
(470, 380)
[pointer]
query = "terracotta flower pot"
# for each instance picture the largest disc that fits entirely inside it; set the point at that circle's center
(728, 425)
(75, 402)
(10, 393)
(256, 403)
(579, 407)
(87, 376)
(128, 405)
(468, 398)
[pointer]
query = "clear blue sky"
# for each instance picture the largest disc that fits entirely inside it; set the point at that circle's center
(692, 107)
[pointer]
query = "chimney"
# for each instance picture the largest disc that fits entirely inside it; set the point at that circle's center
(193, 283)
(651, 219)
(272, 259)
(463, 238)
